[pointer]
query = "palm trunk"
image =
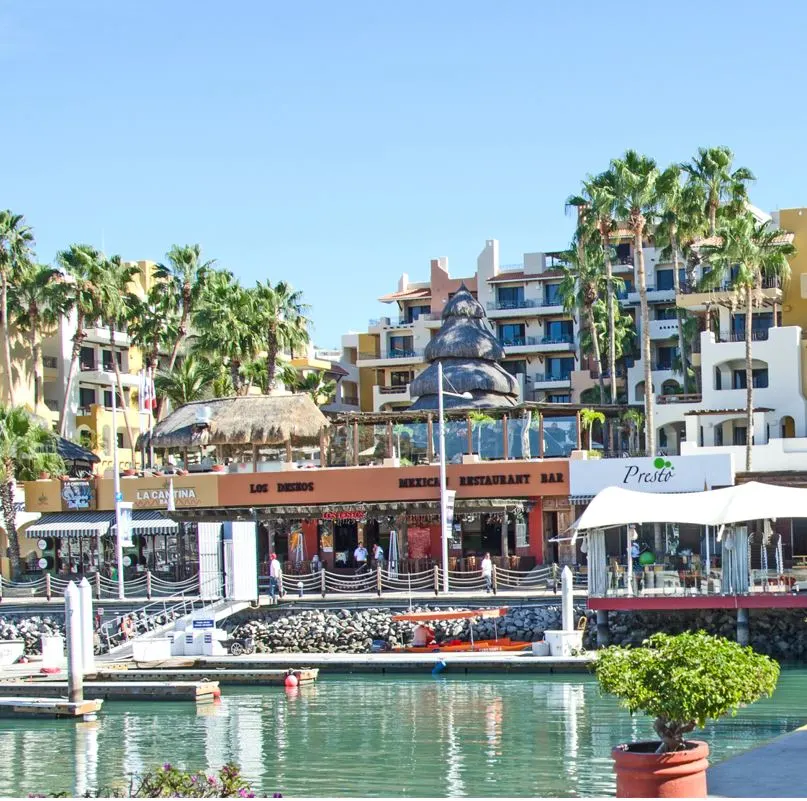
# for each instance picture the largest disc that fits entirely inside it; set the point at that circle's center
(271, 362)
(597, 354)
(749, 382)
(6, 333)
(36, 355)
(173, 358)
(650, 434)
(235, 376)
(78, 338)
(677, 286)
(10, 515)
(124, 405)
(712, 218)
(609, 299)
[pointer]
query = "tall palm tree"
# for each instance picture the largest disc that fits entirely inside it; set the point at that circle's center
(114, 281)
(26, 447)
(587, 419)
(35, 304)
(285, 326)
(624, 332)
(185, 276)
(745, 254)
(712, 171)
(596, 216)
(16, 241)
(153, 323)
(190, 380)
(636, 177)
(320, 388)
(583, 283)
(79, 265)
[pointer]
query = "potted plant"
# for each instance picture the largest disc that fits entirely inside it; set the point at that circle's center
(218, 468)
(681, 681)
(129, 471)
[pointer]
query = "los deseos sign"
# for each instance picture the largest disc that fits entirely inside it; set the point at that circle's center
(659, 474)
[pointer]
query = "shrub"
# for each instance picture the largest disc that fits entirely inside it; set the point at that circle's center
(683, 680)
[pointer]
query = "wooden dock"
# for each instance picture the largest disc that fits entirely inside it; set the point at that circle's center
(133, 690)
(23, 707)
(223, 675)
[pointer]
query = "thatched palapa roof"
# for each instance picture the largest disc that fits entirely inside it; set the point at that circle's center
(247, 420)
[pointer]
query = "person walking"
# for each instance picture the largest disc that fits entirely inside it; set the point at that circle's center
(275, 577)
(378, 554)
(360, 555)
(487, 572)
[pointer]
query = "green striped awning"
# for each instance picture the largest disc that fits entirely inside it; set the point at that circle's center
(149, 521)
(71, 524)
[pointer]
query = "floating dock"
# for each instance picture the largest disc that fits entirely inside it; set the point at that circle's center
(221, 674)
(22, 707)
(136, 690)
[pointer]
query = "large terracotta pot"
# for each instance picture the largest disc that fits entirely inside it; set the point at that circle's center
(641, 773)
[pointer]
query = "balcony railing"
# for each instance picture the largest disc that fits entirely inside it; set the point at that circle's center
(546, 377)
(82, 411)
(757, 335)
(393, 390)
(661, 366)
(690, 398)
(86, 366)
(563, 339)
(524, 303)
(350, 400)
(50, 362)
(688, 288)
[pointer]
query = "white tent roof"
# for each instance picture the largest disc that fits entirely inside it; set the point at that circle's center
(615, 506)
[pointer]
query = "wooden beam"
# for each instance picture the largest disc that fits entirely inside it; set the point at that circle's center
(505, 442)
(390, 448)
(470, 435)
(579, 432)
(540, 436)
(429, 439)
(355, 443)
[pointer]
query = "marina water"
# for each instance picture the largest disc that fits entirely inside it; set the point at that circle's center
(374, 736)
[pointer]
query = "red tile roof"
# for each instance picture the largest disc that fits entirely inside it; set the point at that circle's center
(407, 294)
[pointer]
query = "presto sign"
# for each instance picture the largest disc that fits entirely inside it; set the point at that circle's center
(652, 474)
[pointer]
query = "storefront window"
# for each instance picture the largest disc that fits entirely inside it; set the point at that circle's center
(560, 436)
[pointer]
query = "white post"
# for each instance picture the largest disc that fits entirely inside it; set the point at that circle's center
(72, 622)
(567, 599)
(85, 607)
(708, 555)
(629, 577)
(443, 515)
(118, 496)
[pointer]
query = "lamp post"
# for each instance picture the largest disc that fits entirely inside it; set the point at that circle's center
(118, 494)
(632, 537)
(443, 509)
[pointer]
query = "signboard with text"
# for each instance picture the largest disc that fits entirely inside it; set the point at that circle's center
(587, 477)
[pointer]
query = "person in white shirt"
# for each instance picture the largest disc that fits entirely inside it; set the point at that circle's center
(360, 555)
(378, 555)
(275, 577)
(487, 572)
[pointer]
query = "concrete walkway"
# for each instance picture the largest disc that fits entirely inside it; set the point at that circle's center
(773, 770)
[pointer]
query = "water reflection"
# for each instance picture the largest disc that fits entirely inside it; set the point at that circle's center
(372, 736)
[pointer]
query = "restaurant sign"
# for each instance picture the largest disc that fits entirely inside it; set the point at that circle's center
(694, 473)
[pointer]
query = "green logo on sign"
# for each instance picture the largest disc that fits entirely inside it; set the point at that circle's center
(660, 463)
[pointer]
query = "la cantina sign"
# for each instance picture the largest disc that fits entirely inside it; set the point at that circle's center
(658, 474)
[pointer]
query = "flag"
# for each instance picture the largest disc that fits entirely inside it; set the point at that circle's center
(146, 391)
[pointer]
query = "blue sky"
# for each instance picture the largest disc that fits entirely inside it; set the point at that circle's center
(337, 145)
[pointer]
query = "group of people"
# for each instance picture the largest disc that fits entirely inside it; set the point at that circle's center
(360, 556)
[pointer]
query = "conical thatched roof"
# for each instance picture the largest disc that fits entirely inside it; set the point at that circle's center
(248, 420)
(469, 353)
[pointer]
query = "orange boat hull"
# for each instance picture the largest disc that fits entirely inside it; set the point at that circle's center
(503, 644)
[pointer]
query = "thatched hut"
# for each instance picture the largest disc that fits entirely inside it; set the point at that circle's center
(470, 355)
(243, 426)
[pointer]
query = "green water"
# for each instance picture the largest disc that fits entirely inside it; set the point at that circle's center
(367, 736)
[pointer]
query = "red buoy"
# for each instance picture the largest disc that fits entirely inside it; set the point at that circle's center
(217, 694)
(291, 680)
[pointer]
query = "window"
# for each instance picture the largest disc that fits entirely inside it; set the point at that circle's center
(87, 359)
(86, 397)
(622, 254)
(760, 323)
(510, 297)
(559, 331)
(740, 435)
(85, 438)
(554, 397)
(759, 378)
(664, 279)
(718, 434)
(511, 334)
(108, 399)
(400, 378)
(106, 357)
(662, 438)
(552, 295)
(414, 312)
(718, 378)
(120, 439)
(665, 356)
(515, 367)
(665, 312)
(559, 369)
(401, 346)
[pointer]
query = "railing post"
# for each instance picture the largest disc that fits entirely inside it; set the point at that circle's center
(493, 580)
(47, 586)
(322, 581)
(1, 588)
(378, 579)
(98, 584)
(436, 580)
(148, 584)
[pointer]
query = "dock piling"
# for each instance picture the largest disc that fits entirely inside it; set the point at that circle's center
(72, 621)
(743, 633)
(87, 633)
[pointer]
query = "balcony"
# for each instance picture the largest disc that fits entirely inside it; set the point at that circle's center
(664, 400)
(106, 375)
(653, 295)
(350, 400)
(663, 329)
(757, 335)
(99, 333)
(50, 362)
(402, 322)
(394, 354)
(552, 381)
(518, 308)
(383, 395)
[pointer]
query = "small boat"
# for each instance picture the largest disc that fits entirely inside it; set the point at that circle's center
(424, 642)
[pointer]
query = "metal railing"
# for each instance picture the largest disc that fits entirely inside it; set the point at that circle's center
(393, 390)
(680, 398)
(757, 335)
(543, 378)
(144, 586)
(510, 305)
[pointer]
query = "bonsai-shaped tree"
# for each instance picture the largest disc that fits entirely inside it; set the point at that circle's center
(480, 420)
(587, 419)
(683, 680)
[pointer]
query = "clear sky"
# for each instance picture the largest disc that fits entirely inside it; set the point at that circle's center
(338, 144)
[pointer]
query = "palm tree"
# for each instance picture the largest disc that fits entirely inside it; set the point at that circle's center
(282, 317)
(35, 304)
(624, 332)
(190, 380)
(320, 388)
(480, 420)
(634, 420)
(711, 170)
(16, 240)
(636, 177)
(587, 419)
(79, 265)
(596, 217)
(582, 284)
(153, 323)
(184, 276)
(399, 429)
(26, 447)
(746, 253)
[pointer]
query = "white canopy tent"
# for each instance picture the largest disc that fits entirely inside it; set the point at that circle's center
(615, 506)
